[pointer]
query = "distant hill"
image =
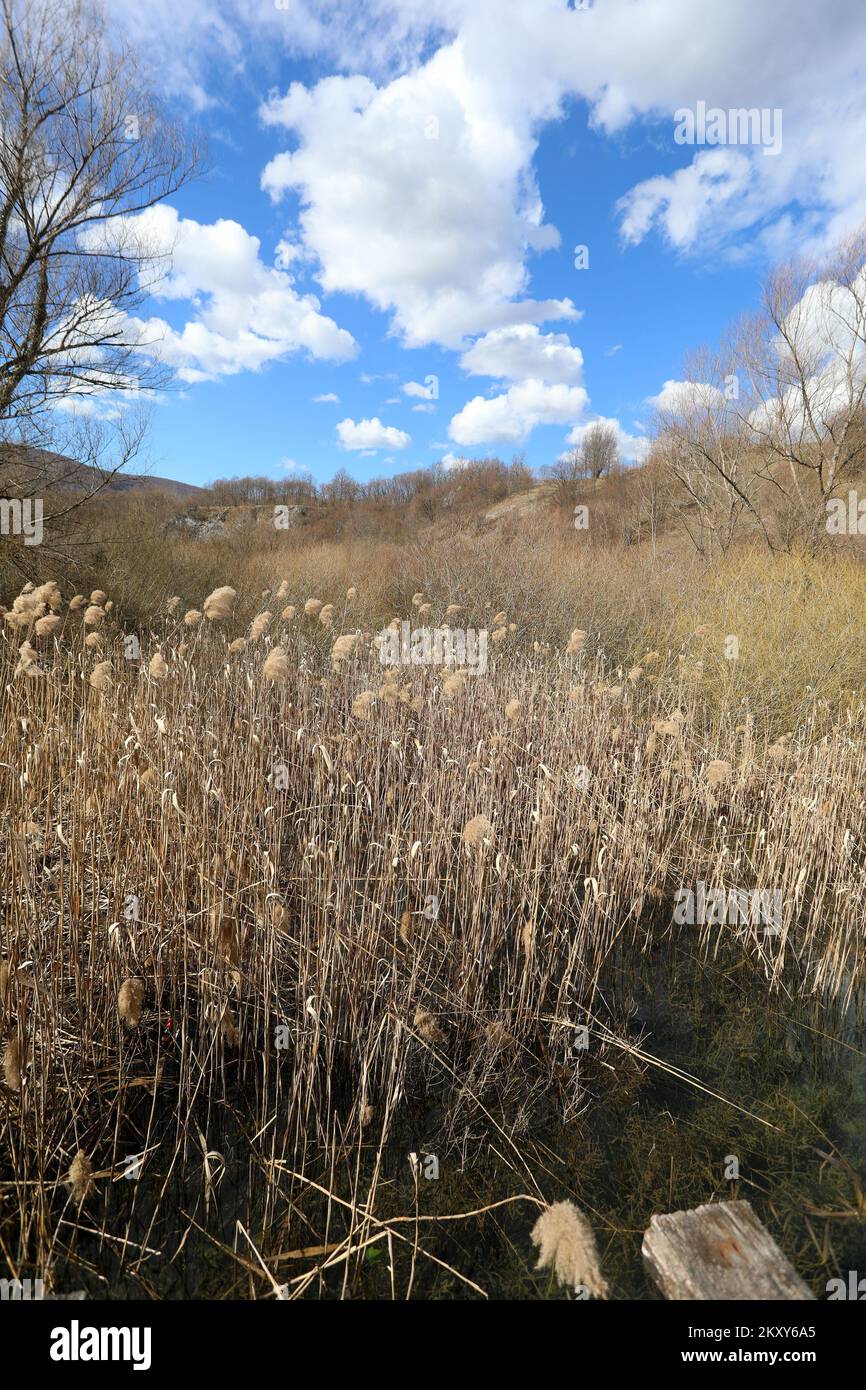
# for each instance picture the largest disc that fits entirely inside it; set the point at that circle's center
(58, 471)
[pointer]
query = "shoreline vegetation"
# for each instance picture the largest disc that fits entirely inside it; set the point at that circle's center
(278, 917)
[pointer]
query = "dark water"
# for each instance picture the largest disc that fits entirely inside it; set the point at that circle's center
(783, 1106)
(651, 1142)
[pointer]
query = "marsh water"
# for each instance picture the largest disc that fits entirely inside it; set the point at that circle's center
(776, 1115)
(774, 1112)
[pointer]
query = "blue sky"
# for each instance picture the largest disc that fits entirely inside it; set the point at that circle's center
(396, 192)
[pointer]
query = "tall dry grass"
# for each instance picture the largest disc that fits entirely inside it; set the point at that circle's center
(273, 890)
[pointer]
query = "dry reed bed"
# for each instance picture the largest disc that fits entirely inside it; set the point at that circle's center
(800, 621)
(421, 888)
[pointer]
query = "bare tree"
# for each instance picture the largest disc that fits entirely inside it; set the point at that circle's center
(595, 455)
(342, 488)
(762, 433)
(84, 151)
(599, 450)
(804, 359)
(706, 442)
(567, 473)
(653, 498)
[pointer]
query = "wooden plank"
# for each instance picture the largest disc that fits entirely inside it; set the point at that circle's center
(718, 1251)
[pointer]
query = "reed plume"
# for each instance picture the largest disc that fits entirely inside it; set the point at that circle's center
(276, 667)
(477, 830)
(49, 593)
(343, 648)
(12, 1064)
(25, 610)
(718, 771)
(79, 1179)
(130, 998)
(363, 703)
(28, 665)
(260, 625)
(101, 676)
(566, 1245)
(219, 605)
(427, 1026)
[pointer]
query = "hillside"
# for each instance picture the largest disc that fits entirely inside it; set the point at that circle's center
(48, 470)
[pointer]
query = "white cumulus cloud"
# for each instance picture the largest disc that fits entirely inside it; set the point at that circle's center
(520, 351)
(371, 434)
(678, 397)
(511, 417)
(425, 391)
(423, 151)
(431, 175)
(245, 313)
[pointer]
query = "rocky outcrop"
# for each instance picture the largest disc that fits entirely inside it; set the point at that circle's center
(200, 528)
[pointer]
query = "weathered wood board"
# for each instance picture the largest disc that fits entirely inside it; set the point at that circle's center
(718, 1251)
